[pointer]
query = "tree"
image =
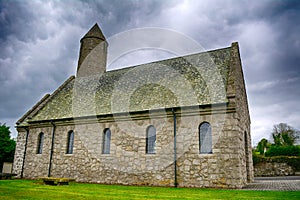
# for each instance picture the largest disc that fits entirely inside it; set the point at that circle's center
(284, 135)
(7, 145)
(262, 146)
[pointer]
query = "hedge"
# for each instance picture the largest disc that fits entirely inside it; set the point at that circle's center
(293, 161)
(283, 151)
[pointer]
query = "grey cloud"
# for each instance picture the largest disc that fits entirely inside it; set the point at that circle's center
(39, 43)
(14, 20)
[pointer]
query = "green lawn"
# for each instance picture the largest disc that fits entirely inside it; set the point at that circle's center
(28, 189)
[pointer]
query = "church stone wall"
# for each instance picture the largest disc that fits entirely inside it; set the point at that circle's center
(19, 152)
(36, 165)
(221, 168)
(128, 162)
(242, 113)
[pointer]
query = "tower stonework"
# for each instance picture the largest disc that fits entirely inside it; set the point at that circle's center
(93, 53)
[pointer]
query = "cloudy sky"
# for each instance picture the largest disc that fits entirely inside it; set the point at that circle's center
(39, 46)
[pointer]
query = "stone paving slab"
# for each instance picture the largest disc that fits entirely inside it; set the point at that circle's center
(286, 183)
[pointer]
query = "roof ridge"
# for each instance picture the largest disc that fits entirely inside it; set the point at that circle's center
(183, 56)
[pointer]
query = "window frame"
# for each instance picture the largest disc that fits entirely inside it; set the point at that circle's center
(40, 143)
(70, 142)
(106, 141)
(205, 138)
(150, 141)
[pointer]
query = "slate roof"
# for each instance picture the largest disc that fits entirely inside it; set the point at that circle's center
(198, 79)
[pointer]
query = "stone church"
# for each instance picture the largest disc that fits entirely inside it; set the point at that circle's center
(180, 122)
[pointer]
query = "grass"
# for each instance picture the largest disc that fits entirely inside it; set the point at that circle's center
(33, 189)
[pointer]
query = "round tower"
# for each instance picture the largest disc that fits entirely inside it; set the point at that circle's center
(93, 53)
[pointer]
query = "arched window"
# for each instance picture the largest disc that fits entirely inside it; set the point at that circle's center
(70, 143)
(150, 140)
(40, 143)
(106, 141)
(205, 138)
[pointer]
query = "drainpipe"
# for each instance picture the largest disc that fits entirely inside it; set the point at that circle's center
(25, 149)
(175, 150)
(52, 147)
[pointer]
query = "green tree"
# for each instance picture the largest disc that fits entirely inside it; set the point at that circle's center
(7, 145)
(262, 146)
(284, 135)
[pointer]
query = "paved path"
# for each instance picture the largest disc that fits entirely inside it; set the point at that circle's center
(281, 183)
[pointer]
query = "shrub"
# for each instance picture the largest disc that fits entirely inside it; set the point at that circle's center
(258, 159)
(293, 161)
(283, 151)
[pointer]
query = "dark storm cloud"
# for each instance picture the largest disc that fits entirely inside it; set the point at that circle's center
(116, 16)
(35, 50)
(284, 20)
(273, 68)
(39, 43)
(15, 19)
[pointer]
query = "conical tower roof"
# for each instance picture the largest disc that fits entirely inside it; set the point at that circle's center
(94, 32)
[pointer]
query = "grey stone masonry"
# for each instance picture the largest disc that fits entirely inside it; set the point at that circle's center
(128, 163)
(175, 96)
(93, 53)
(273, 169)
